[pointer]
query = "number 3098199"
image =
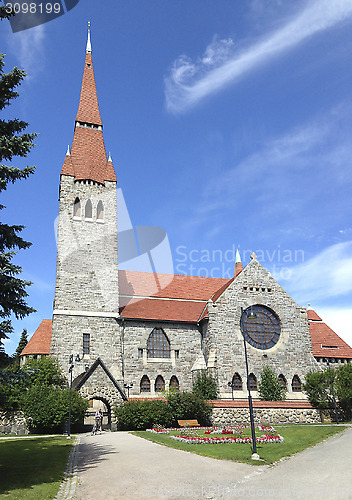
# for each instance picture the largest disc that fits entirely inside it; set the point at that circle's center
(33, 8)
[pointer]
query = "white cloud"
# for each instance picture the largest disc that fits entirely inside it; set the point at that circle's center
(190, 82)
(327, 275)
(28, 48)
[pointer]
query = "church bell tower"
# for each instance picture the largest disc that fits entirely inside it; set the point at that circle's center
(86, 304)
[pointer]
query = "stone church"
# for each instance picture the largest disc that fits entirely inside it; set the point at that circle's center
(137, 334)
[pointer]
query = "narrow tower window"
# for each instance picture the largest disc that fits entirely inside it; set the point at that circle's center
(77, 208)
(86, 343)
(88, 210)
(100, 211)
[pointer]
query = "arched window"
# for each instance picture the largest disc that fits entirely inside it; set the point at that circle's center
(159, 384)
(100, 211)
(145, 384)
(174, 384)
(158, 345)
(88, 210)
(296, 384)
(237, 382)
(283, 382)
(77, 208)
(252, 382)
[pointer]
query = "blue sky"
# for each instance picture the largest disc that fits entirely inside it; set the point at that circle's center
(229, 124)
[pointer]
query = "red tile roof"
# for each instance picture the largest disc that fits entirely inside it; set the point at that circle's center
(40, 341)
(325, 342)
(166, 297)
(88, 157)
(88, 109)
(172, 286)
(313, 316)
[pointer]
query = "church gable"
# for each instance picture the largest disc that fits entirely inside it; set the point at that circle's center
(287, 345)
(98, 383)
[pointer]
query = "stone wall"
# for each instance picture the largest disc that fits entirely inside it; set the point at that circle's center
(292, 355)
(237, 416)
(184, 339)
(13, 423)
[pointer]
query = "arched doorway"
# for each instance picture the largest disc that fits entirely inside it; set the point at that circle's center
(96, 404)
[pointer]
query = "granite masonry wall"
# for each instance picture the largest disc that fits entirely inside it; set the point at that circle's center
(185, 343)
(12, 422)
(238, 416)
(292, 355)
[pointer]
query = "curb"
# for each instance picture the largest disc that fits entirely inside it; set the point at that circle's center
(68, 486)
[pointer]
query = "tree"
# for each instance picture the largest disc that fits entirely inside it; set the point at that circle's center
(22, 343)
(317, 388)
(13, 142)
(205, 385)
(270, 388)
(344, 389)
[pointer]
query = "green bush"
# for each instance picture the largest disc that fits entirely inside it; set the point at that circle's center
(205, 385)
(46, 408)
(270, 388)
(141, 415)
(188, 405)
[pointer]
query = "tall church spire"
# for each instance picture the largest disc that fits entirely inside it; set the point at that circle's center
(88, 110)
(88, 160)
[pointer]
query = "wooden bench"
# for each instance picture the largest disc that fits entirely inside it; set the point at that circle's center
(191, 423)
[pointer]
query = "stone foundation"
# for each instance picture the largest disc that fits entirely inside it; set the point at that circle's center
(13, 423)
(237, 416)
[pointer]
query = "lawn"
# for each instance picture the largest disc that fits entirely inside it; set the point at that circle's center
(33, 468)
(297, 438)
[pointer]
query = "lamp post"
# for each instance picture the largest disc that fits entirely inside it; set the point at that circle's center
(232, 385)
(332, 390)
(128, 387)
(70, 370)
(255, 455)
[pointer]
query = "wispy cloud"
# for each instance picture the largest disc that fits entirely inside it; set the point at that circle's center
(191, 81)
(327, 275)
(287, 175)
(28, 48)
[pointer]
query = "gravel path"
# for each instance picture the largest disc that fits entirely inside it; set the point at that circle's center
(122, 466)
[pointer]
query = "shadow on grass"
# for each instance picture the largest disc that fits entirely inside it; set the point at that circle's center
(34, 468)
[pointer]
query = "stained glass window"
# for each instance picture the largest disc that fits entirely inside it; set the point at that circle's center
(260, 327)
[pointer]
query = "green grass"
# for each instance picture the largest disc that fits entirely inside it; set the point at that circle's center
(33, 468)
(297, 438)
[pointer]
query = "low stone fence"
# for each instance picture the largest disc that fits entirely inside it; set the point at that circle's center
(13, 422)
(265, 412)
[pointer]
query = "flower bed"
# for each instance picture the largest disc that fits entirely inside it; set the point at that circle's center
(190, 435)
(229, 439)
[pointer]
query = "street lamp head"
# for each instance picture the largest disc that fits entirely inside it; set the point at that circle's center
(251, 314)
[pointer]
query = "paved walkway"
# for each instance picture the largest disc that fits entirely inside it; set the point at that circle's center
(123, 466)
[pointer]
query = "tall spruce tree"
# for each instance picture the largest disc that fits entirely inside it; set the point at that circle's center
(22, 343)
(13, 142)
